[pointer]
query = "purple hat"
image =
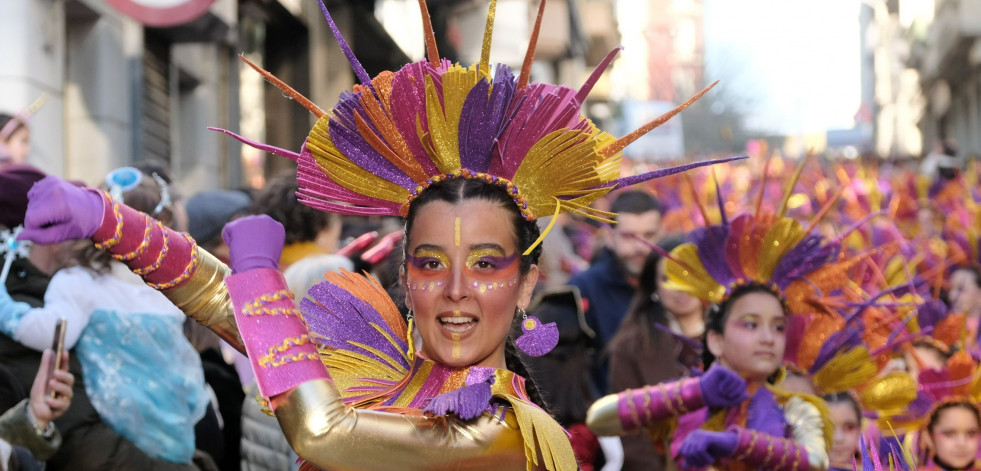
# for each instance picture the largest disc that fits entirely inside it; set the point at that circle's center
(15, 181)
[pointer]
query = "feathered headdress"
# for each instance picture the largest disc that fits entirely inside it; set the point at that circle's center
(765, 249)
(394, 135)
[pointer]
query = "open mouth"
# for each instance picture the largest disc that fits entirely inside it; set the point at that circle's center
(458, 324)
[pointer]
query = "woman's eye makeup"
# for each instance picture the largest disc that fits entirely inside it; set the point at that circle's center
(486, 269)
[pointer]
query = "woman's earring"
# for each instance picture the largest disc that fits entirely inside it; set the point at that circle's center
(410, 335)
(537, 339)
(655, 297)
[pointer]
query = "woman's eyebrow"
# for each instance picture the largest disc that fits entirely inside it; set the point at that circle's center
(429, 247)
(487, 246)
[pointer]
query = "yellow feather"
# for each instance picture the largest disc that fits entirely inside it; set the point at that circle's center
(692, 276)
(782, 236)
(845, 371)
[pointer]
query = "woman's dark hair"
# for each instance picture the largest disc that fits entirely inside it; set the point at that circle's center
(644, 311)
(963, 404)
(144, 198)
(844, 398)
(719, 313)
(278, 200)
(526, 232)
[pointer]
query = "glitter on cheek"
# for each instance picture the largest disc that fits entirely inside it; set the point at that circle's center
(456, 346)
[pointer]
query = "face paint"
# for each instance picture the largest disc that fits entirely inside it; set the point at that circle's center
(487, 268)
(456, 346)
(456, 231)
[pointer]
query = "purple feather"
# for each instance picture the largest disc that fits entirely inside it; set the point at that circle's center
(930, 313)
(805, 257)
(467, 402)
(344, 320)
(482, 118)
(841, 341)
(765, 415)
(355, 64)
(348, 139)
(643, 177)
(536, 111)
(711, 244)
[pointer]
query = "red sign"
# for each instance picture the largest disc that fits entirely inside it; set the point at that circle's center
(162, 13)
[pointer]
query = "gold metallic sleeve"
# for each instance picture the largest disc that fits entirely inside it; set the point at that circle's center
(603, 417)
(333, 436)
(807, 426)
(204, 298)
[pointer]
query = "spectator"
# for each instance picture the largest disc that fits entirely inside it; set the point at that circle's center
(607, 287)
(88, 443)
(29, 424)
(659, 340)
(208, 212)
(141, 374)
(15, 140)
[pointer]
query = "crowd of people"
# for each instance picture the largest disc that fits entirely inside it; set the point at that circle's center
(462, 273)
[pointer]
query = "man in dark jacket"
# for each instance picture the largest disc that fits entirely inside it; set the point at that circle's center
(607, 287)
(88, 443)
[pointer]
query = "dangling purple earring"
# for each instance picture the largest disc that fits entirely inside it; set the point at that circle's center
(536, 339)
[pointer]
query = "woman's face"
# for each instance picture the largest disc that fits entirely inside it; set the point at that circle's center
(464, 282)
(847, 432)
(955, 437)
(965, 295)
(678, 303)
(753, 339)
(19, 145)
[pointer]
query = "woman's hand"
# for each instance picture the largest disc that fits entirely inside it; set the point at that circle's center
(702, 448)
(721, 387)
(60, 211)
(51, 393)
(254, 242)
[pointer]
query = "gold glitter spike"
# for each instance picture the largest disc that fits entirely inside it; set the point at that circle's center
(488, 34)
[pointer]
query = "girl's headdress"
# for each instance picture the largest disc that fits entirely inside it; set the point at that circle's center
(771, 250)
(394, 135)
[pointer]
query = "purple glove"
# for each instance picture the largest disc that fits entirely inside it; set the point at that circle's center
(60, 211)
(254, 242)
(721, 387)
(702, 448)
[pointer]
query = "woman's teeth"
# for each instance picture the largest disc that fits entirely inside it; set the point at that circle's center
(458, 324)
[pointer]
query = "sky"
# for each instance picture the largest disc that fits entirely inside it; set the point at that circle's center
(792, 65)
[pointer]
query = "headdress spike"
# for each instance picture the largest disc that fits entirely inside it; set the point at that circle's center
(488, 35)
(624, 141)
(23, 116)
(427, 30)
(355, 64)
(790, 187)
(597, 72)
(263, 147)
(824, 210)
(718, 196)
(532, 44)
(285, 88)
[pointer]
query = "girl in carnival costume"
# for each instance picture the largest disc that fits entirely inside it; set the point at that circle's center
(470, 160)
(758, 270)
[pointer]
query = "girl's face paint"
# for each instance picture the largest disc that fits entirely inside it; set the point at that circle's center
(464, 281)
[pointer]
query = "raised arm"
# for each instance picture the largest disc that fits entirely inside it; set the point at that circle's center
(634, 409)
(167, 260)
(320, 427)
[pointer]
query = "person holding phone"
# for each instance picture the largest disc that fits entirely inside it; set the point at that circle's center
(29, 424)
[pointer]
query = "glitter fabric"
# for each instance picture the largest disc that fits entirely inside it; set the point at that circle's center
(537, 339)
(395, 134)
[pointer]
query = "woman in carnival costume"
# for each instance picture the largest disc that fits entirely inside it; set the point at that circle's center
(470, 160)
(758, 270)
